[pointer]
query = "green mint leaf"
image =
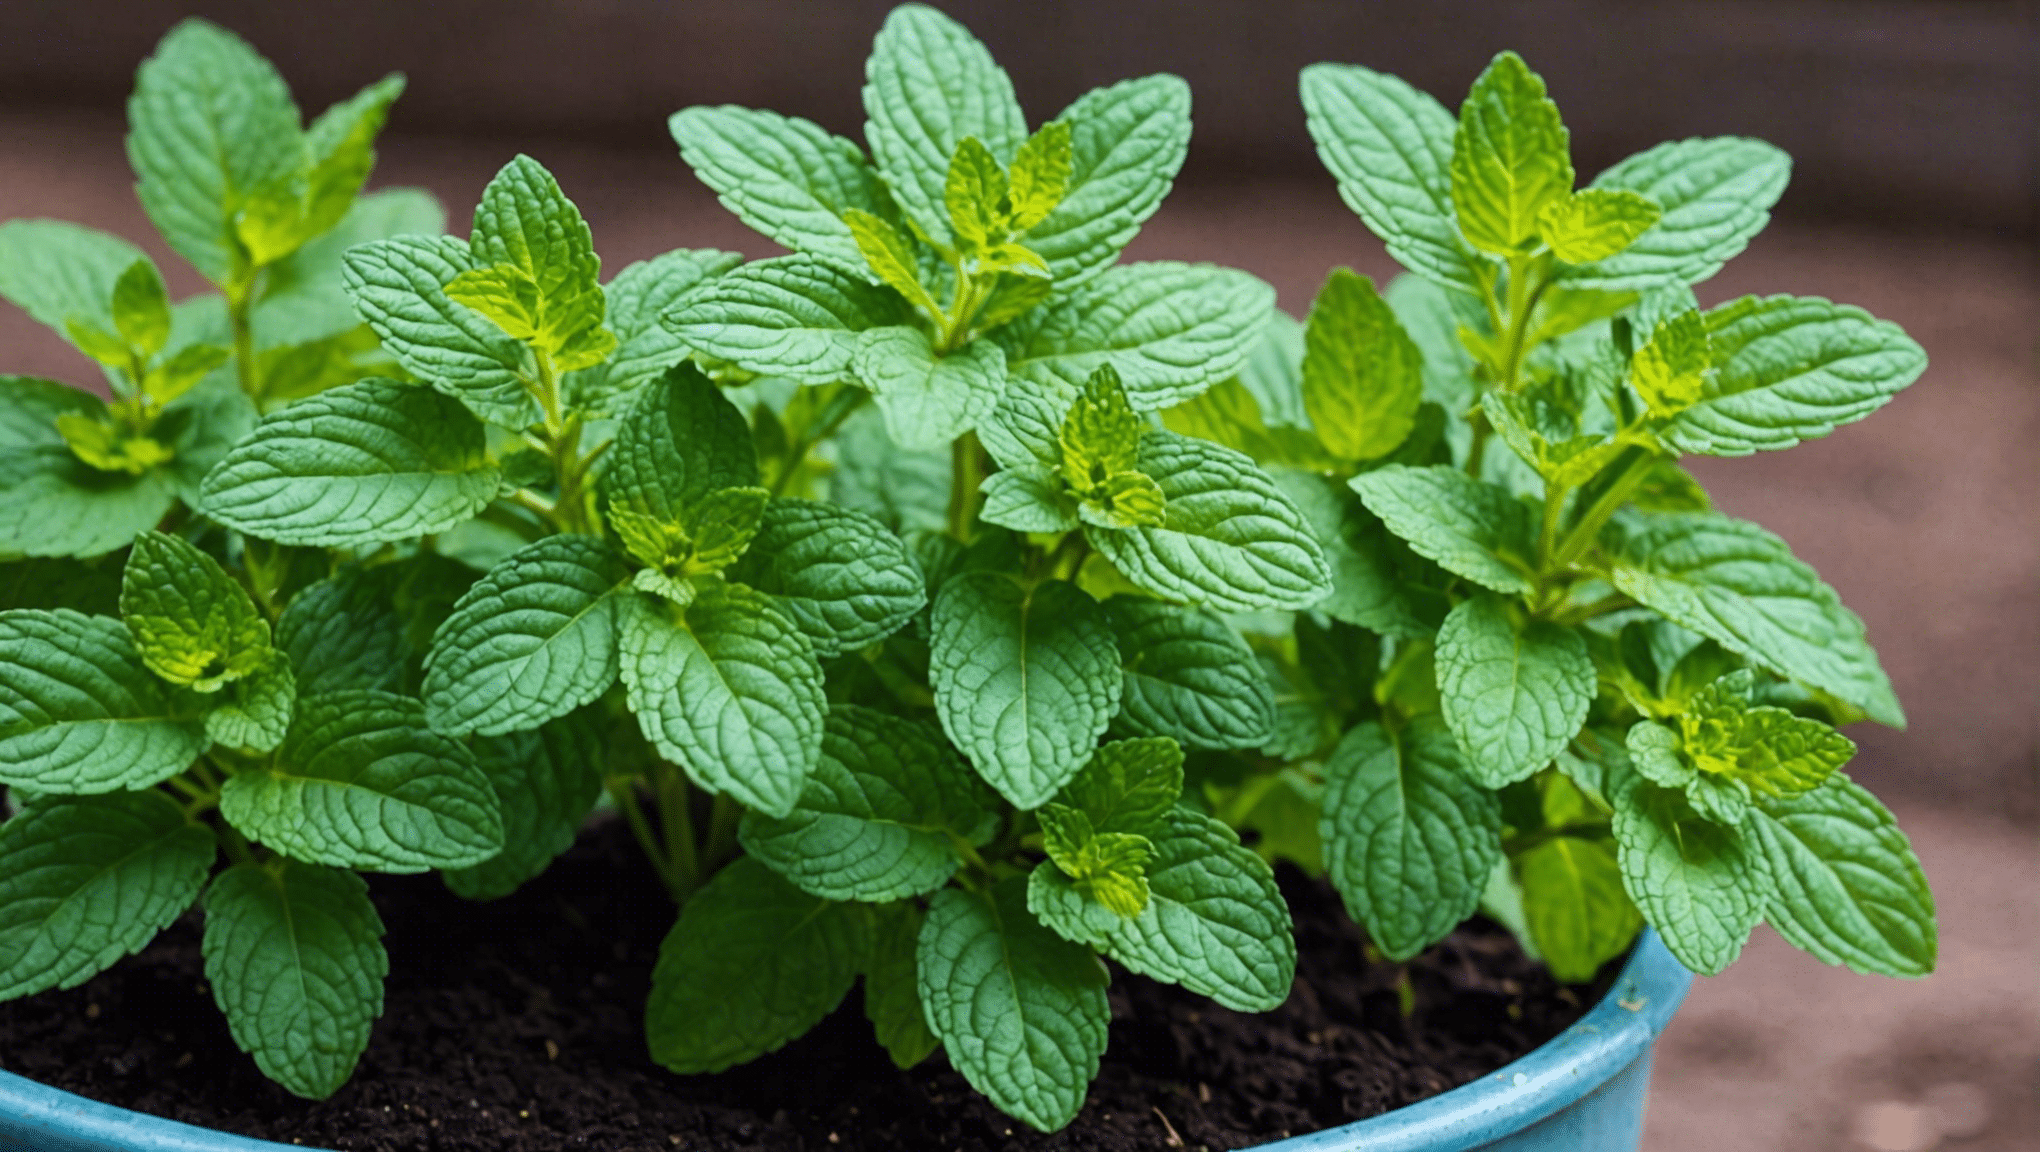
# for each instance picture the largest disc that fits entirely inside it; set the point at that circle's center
(365, 464)
(79, 714)
(141, 309)
(345, 632)
(193, 624)
(1701, 884)
(878, 818)
(1101, 435)
(1739, 585)
(295, 958)
(85, 881)
(891, 256)
(1189, 677)
(1213, 922)
(680, 441)
(1027, 500)
(1670, 372)
(794, 316)
(1171, 331)
(892, 994)
(784, 176)
(1792, 368)
(731, 693)
(1715, 194)
(536, 275)
(254, 712)
(107, 448)
(1230, 540)
(1040, 175)
(532, 640)
(1362, 375)
(1128, 785)
(1845, 884)
(1020, 1011)
(1654, 750)
(1595, 223)
(304, 295)
(638, 299)
(64, 274)
(1025, 681)
(361, 782)
(1390, 147)
(929, 399)
(1368, 590)
(752, 964)
(180, 373)
(1514, 691)
(907, 491)
(1285, 820)
(843, 579)
(1510, 158)
(398, 286)
(929, 84)
(51, 502)
(545, 781)
(97, 343)
(210, 127)
(342, 146)
(1574, 905)
(1769, 750)
(1105, 868)
(974, 192)
(1409, 839)
(723, 525)
(1476, 530)
(1126, 144)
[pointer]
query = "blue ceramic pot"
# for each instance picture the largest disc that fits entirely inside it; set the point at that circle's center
(1582, 1092)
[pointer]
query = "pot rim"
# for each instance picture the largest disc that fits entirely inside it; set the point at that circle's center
(1617, 1031)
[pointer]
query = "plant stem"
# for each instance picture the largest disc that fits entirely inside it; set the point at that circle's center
(964, 478)
(240, 297)
(722, 832)
(1637, 464)
(236, 845)
(1554, 510)
(676, 820)
(624, 792)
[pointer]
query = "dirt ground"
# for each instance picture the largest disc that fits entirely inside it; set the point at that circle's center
(1924, 517)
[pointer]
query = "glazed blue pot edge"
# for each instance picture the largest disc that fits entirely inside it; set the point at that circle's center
(1616, 1032)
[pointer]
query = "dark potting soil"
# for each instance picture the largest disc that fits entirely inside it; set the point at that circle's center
(515, 1027)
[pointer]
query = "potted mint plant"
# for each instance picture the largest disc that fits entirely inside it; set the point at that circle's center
(947, 608)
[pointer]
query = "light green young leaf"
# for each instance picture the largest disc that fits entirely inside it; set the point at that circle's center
(1701, 884)
(1792, 368)
(1367, 590)
(85, 881)
(1768, 750)
(1125, 500)
(51, 502)
(1128, 785)
(638, 300)
(79, 714)
(1390, 147)
(842, 578)
(1476, 530)
(1020, 1011)
(295, 958)
(892, 994)
(1108, 869)
(361, 782)
(546, 781)
(1514, 692)
(1670, 372)
(1845, 884)
(397, 285)
(1025, 682)
(929, 84)
(1511, 157)
(1595, 223)
(1409, 840)
(784, 176)
(342, 147)
(59, 272)
(254, 712)
(1575, 907)
(1715, 193)
(1040, 175)
(890, 257)
(536, 272)
(1101, 434)
(1027, 500)
(210, 126)
(107, 448)
(793, 316)
(879, 817)
(364, 464)
(193, 624)
(973, 192)
(1230, 540)
(141, 309)
(1189, 677)
(928, 399)
(1126, 143)
(1362, 375)
(731, 693)
(1741, 586)
(752, 964)
(532, 640)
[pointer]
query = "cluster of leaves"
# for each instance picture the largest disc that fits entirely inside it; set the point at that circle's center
(958, 693)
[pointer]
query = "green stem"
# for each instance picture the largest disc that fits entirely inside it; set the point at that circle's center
(676, 820)
(964, 479)
(236, 845)
(1554, 510)
(624, 793)
(1637, 463)
(1479, 423)
(240, 298)
(722, 832)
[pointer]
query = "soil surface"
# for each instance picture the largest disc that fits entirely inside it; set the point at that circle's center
(515, 1027)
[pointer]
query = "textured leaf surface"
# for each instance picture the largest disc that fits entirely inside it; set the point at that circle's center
(839, 575)
(1409, 840)
(1474, 529)
(1844, 883)
(78, 711)
(680, 442)
(397, 286)
(1189, 677)
(1511, 157)
(1578, 913)
(1739, 585)
(531, 240)
(1230, 540)
(794, 316)
(1129, 786)
(362, 464)
(361, 782)
(1127, 142)
(532, 640)
(52, 503)
(892, 993)
(1513, 693)
(646, 349)
(85, 881)
(1595, 223)
(929, 400)
(1025, 683)
(295, 958)
(1701, 884)
(192, 623)
(1362, 375)
(345, 632)
(1026, 500)
(784, 176)
(1367, 588)
(1716, 194)
(877, 819)
(254, 712)
(546, 781)
(732, 693)
(57, 271)
(1020, 1011)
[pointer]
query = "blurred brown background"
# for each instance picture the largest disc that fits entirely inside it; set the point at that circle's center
(1915, 127)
